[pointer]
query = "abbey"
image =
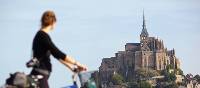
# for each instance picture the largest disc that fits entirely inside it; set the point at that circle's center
(149, 53)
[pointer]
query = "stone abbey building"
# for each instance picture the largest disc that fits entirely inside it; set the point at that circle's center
(149, 53)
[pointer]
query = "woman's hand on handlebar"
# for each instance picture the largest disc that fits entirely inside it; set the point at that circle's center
(71, 63)
(80, 67)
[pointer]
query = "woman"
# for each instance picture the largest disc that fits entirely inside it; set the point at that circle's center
(43, 47)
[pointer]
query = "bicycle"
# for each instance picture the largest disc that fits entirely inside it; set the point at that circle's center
(21, 80)
(85, 78)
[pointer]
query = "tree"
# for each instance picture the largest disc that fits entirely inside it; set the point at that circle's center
(146, 73)
(168, 67)
(172, 85)
(144, 84)
(141, 73)
(152, 73)
(169, 76)
(179, 72)
(117, 79)
(132, 84)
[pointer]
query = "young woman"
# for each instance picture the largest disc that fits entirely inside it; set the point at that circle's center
(43, 47)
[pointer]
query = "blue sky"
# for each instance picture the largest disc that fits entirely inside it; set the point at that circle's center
(92, 29)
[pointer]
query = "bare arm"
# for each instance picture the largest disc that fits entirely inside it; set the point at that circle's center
(70, 62)
(70, 66)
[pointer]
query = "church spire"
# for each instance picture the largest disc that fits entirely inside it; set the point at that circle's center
(144, 32)
(144, 23)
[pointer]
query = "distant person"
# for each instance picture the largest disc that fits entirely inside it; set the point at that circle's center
(43, 47)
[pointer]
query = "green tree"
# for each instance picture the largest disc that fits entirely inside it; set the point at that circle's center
(117, 79)
(133, 84)
(141, 73)
(144, 84)
(179, 72)
(172, 85)
(146, 73)
(169, 67)
(152, 73)
(169, 76)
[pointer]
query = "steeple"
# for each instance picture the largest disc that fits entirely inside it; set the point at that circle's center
(144, 23)
(144, 32)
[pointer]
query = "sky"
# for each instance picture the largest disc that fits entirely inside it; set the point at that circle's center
(90, 30)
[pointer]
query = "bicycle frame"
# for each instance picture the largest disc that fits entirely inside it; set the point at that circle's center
(85, 80)
(74, 78)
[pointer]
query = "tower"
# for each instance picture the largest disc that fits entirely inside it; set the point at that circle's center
(144, 36)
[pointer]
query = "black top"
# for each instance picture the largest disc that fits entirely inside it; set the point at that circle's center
(43, 47)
